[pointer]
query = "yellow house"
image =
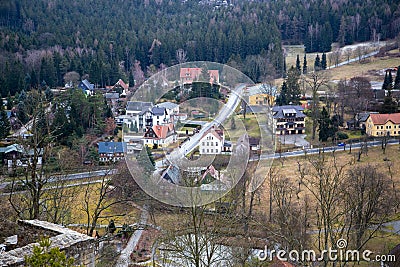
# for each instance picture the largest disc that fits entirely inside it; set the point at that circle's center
(261, 94)
(261, 99)
(383, 124)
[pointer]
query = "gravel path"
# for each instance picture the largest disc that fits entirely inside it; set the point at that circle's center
(124, 259)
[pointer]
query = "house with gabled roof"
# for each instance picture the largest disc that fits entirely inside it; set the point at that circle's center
(212, 142)
(111, 151)
(87, 87)
(383, 124)
(160, 135)
(289, 119)
(19, 156)
(121, 87)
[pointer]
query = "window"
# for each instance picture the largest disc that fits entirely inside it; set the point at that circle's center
(208, 143)
(212, 150)
(211, 143)
(202, 145)
(203, 151)
(207, 150)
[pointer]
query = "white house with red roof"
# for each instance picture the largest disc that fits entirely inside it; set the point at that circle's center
(383, 124)
(160, 135)
(212, 142)
(189, 75)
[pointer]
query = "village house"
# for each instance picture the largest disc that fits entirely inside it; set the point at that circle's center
(160, 135)
(189, 75)
(111, 151)
(171, 108)
(18, 156)
(260, 94)
(289, 119)
(120, 87)
(213, 142)
(86, 87)
(383, 125)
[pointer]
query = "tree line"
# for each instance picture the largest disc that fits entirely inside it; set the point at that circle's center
(103, 40)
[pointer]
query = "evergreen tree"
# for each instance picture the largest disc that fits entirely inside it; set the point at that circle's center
(293, 86)
(284, 68)
(5, 126)
(305, 64)
(49, 94)
(10, 101)
(397, 79)
(326, 129)
(43, 256)
(298, 66)
(317, 63)
(390, 81)
(281, 100)
(323, 61)
(389, 105)
(385, 81)
(131, 79)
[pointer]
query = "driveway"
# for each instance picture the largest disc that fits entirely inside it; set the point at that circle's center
(295, 139)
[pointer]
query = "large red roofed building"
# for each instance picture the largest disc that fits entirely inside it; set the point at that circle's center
(383, 124)
(189, 75)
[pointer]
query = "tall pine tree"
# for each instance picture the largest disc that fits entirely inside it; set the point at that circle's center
(397, 79)
(305, 64)
(323, 61)
(298, 66)
(4, 123)
(317, 63)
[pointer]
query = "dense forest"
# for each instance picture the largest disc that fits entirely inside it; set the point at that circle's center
(42, 40)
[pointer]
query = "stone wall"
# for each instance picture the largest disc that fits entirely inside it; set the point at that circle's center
(79, 246)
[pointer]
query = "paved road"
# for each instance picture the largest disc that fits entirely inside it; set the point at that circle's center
(124, 259)
(354, 60)
(73, 176)
(325, 149)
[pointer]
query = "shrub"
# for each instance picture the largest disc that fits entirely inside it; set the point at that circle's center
(342, 135)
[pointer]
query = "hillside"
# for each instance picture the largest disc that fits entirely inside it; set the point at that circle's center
(45, 39)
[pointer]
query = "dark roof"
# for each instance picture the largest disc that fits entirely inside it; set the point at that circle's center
(278, 108)
(112, 95)
(280, 111)
(158, 111)
(227, 144)
(112, 147)
(137, 105)
(167, 105)
(171, 174)
(253, 141)
(85, 84)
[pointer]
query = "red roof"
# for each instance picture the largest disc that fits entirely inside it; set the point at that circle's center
(162, 130)
(384, 118)
(122, 84)
(216, 132)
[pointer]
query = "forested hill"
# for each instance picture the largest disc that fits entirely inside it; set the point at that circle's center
(44, 39)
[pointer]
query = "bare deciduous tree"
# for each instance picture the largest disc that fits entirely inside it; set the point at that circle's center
(315, 81)
(370, 199)
(181, 56)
